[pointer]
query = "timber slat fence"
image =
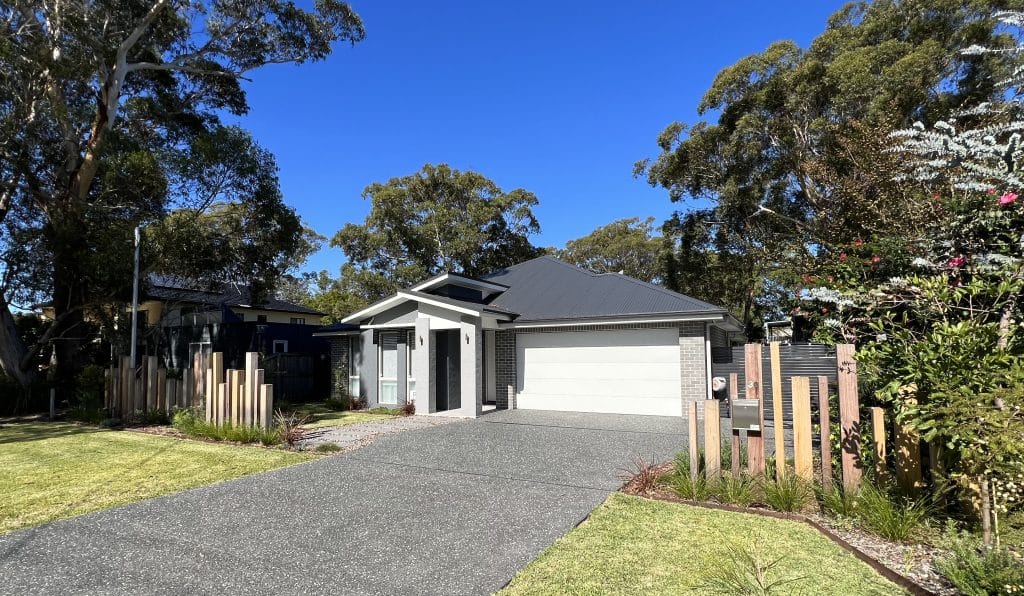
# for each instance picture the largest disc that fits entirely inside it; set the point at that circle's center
(227, 397)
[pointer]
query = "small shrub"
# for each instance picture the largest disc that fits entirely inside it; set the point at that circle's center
(748, 570)
(384, 410)
(734, 491)
(791, 494)
(290, 428)
(86, 414)
(409, 408)
(838, 502)
(891, 517)
(687, 488)
(339, 404)
(726, 451)
(643, 477)
(978, 571)
(191, 422)
(328, 448)
(153, 418)
(358, 403)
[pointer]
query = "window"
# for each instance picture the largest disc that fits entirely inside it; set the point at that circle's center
(298, 320)
(410, 345)
(280, 346)
(353, 365)
(261, 318)
(388, 368)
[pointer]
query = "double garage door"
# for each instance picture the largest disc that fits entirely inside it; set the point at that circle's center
(619, 372)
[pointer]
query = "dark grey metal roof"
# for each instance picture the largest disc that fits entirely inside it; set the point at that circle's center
(545, 288)
(474, 306)
(178, 290)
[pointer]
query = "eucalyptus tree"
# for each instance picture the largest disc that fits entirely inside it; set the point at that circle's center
(627, 246)
(110, 115)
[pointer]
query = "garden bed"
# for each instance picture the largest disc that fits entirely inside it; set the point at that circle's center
(910, 565)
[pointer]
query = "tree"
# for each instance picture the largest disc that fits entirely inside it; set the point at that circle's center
(109, 116)
(791, 163)
(626, 246)
(436, 220)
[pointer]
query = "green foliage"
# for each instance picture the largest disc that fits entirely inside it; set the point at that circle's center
(437, 220)
(338, 404)
(741, 491)
(839, 502)
(892, 517)
(192, 423)
(687, 488)
(978, 571)
(748, 570)
(791, 494)
(327, 448)
(626, 246)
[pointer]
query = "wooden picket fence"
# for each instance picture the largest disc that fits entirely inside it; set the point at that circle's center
(236, 397)
(907, 456)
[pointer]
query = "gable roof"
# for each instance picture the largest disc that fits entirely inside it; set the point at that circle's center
(545, 288)
(175, 290)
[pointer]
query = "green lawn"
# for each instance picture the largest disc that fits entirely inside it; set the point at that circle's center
(321, 416)
(631, 545)
(51, 470)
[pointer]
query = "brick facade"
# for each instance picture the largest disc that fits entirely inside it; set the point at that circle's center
(693, 381)
(505, 368)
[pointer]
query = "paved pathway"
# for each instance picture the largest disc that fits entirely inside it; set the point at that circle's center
(451, 509)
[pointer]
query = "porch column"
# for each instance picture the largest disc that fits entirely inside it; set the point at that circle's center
(423, 367)
(470, 340)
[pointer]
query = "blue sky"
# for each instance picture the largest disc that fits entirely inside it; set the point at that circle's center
(559, 98)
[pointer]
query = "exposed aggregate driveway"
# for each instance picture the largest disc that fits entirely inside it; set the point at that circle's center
(452, 509)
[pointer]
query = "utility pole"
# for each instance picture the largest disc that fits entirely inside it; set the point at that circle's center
(135, 297)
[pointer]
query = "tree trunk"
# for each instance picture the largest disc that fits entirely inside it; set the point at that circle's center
(68, 246)
(12, 349)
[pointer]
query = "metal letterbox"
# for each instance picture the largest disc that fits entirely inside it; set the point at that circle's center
(746, 414)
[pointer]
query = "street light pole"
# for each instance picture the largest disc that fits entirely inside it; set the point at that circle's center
(135, 297)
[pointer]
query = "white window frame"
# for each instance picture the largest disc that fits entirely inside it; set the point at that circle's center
(354, 347)
(381, 379)
(279, 342)
(410, 380)
(298, 320)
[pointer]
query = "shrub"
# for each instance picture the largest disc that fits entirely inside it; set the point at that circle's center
(643, 477)
(688, 488)
(191, 422)
(358, 403)
(891, 517)
(979, 572)
(726, 452)
(838, 502)
(328, 448)
(747, 569)
(290, 428)
(409, 408)
(153, 418)
(385, 410)
(339, 404)
(734, 491)
(790, 494)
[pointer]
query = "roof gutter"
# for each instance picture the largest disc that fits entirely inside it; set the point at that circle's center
(615, 320)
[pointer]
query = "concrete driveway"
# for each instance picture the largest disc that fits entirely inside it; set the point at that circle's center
(453, 509)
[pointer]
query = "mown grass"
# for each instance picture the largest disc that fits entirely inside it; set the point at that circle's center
(50, 470)
(631, 545)
(321, 416)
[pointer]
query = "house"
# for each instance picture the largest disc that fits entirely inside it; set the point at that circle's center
(186, 320)
(542, 334)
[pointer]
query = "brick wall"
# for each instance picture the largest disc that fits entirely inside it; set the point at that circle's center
(505, 367)
(339, 366)
(692, 366)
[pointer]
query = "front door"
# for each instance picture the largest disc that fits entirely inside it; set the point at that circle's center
(447, 380)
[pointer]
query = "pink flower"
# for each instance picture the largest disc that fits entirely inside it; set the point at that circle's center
(991, 191)
(842, 256)
(876, 259)
(958, 261)
(858, 243)
(1007, 198)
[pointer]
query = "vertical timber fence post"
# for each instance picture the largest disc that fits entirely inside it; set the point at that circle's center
(849, 415)
(778, 415)
(826, 432)
(753, 379)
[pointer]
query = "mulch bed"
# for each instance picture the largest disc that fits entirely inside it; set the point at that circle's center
(910, 566)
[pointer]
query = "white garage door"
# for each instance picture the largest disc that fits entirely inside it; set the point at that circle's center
(621, 372)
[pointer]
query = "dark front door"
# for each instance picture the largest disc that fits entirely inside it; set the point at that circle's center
(447, 380)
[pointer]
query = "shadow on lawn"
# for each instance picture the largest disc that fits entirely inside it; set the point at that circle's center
(18, 431)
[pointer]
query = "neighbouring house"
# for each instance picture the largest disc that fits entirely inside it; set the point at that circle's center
(186, 320)
(542, 334)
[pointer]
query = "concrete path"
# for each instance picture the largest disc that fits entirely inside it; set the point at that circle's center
(451, 509)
